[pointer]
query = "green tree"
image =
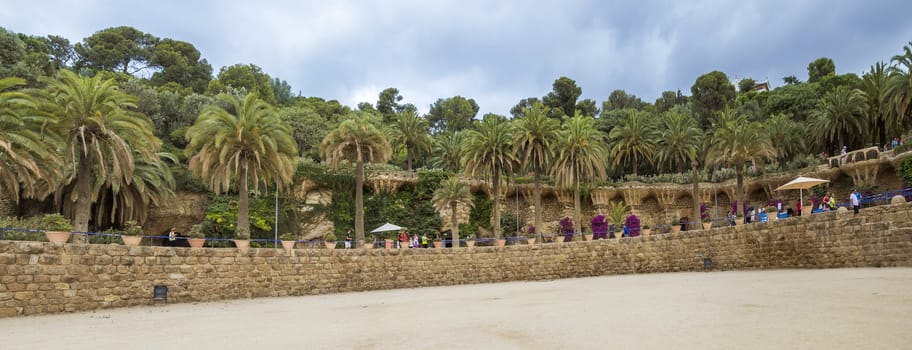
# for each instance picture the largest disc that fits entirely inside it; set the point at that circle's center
(123, 49)
(899, 85)
(517, 110)
(797, 100)
(682, 143)
(151, 184)
(282, 92)
(411, 133)
(840, 119)
(787, 136)
(587, 108)
(581, 157)
(820, 68)
(536, 135)
(447, 151)
(488, 149)
(745, 85)
(633, 139)
(620, 99)
(452, 114)
(880, 116)
(308, 128)
(791, 80)
(180, 63)
(246, 143)
(670, 99)
(736, 141)
(249, 77)
(102, 139)
(388, 103)
(60, 51)
(452, 193)
(27, 155)
(562, 98)
(358, 141)
(711, 92)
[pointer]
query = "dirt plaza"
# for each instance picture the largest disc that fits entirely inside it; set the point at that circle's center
(802, 309)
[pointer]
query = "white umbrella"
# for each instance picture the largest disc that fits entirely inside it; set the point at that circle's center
(801, 183)
(387, 227)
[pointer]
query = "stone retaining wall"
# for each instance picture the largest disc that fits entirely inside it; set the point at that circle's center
(41, 278)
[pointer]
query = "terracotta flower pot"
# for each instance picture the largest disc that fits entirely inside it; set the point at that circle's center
(707, 225)
(438, 244)
(330, 245)
(131, 240)
(645, 231)
(196, 242)
(470, 243)
(675, 228)
(501, 242)
(587, 237)
(288, 245)
(531, 241)
(57, 236)
(388, 243)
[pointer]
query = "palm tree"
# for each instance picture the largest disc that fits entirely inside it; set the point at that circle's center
(633, 139)
(681, 142)
(451, 193)
(101, 138)
(358, 141)
(785, 135)
(28, 162)
(581, 156)
(536, 133)
(678, 136)
(248, 143)
(735, 142)
(839, 117)
(880, 116)
(152, 183)
(488, 148)
(412, 133)
(899, 85)
(447, 151)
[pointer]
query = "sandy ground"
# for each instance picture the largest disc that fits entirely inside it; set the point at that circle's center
(782, 309)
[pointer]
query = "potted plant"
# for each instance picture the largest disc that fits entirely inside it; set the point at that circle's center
(197, 238)
(675, 224)
(531, 237)
(435, 237)
(646, 230)
(633, 225)
(288, 240)
(566, 231)
(707, 223)
(330, 240)
(242, 240)
(132, 233)
(470, 240)
(56, 227)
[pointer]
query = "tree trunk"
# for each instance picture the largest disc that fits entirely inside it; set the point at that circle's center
(635, 167)
(576, 209)
(243, 220)
(83, 208)
(455, 225)
(538, 219)
(408, 158)
(496, 194)
(697, 220)
(359, 200)
(739, 170)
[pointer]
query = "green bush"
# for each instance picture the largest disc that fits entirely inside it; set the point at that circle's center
(904, 170)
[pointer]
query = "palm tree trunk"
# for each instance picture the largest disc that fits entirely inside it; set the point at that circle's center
(408, 158)
(739, 171)
(496, 194)
(454, 226)
(359, 200)
(697, 220)
(538, 219)
(243, 220)
(634, 167)
(576, 208)
(83, 208)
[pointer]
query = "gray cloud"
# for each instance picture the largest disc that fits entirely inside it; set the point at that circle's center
(497, 52)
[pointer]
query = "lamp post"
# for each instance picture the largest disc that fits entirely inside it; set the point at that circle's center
(275, 239)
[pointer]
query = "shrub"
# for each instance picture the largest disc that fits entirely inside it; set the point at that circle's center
(288, 236)
(633, 225)
(904, 170)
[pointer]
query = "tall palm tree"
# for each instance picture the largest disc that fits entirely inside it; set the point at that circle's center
(536, 133)
(488, 149)
(840, 118)
(785, 135)
(737, 141)
(452, 193)
(447, 151)
(152, 183)
(358, 141)
(247, 143)
(633, 139)
(101, 138)
(880, 115)
(678, 135)
(28, 162)
(681, 143)
(412, 133)
(899, 85)
(581, 156)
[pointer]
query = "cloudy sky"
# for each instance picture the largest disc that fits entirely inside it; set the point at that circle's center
(497, 52)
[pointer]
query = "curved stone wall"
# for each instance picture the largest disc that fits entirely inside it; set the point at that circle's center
(40, 278)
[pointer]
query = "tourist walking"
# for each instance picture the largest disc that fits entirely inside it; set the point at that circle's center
(856, 202)
(348, 239)
(403, 239)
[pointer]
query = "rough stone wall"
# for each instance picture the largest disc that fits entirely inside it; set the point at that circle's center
(181, 211)
(41, 278)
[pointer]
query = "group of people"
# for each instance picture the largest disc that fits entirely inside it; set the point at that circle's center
(828, 203)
